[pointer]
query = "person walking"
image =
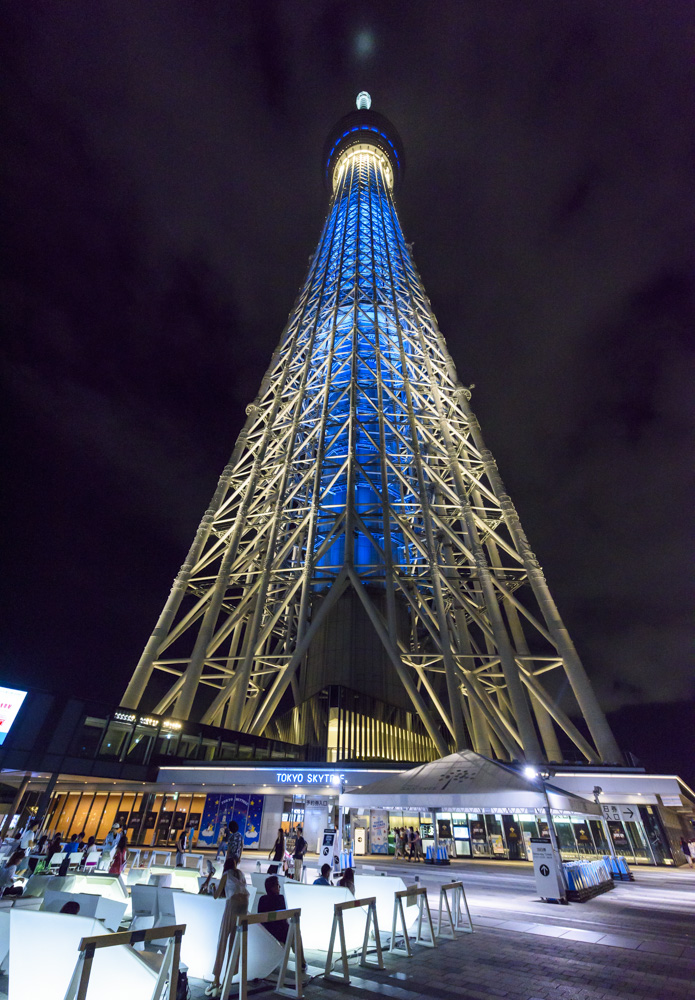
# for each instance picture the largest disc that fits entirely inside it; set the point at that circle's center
(118, 860)
(399, 842)
(277, 853)
(233, 888)
(181, 850)
(300, 848)
(416, 849)
(223, 843)
(235, 844)
(28, 838)
(410, 842)
(685, 848)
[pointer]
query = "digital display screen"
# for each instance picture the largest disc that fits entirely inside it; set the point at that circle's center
(461, 831)
(10, 703)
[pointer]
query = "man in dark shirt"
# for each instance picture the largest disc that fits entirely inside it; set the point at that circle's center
(300, 846)
(236, 843)
(272, 901)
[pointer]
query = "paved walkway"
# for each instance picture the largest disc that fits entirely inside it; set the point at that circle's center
(636, 941)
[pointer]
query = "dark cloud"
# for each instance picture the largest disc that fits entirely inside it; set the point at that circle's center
(162, 174)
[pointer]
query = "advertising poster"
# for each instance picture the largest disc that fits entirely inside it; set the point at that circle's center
(478, 830)
(496, 843)
(240, 812)
(10, 703)
(379, 831)
(619, 836)
(206, 835)
(224, 815)
(252, 833)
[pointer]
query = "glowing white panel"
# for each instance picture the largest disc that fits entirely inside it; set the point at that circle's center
(4, 938)
(177, 878)
(316, 903)
(53, 938)
(109, 911)
(203, 916)
(258, 879)
(110, 886)
(383, 888)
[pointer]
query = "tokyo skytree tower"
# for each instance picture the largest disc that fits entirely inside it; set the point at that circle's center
(361, 583)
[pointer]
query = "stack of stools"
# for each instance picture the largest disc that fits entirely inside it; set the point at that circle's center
(619, 869)
(586, 879)
(442, 857)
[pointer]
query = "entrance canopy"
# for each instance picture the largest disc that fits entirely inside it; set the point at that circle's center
(467, 782)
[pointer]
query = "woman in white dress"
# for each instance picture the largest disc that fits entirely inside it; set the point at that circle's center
(233, 887)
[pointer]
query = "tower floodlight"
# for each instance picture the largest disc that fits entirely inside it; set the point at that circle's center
(361, 582)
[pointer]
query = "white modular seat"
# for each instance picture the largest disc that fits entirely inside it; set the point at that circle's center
(97, 884)
(177, 878)
(143, 900)
(316, 903)
(258, 879)
(43, 954)
(203, 916)
(4, 937)
(110, 912)
(383, 888)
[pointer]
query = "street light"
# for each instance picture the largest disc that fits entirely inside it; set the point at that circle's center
(543, 775)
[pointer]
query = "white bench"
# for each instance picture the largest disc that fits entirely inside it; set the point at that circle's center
(109, 911)
(44, 951)
(384, 887)
(203, 916)
(317, 904)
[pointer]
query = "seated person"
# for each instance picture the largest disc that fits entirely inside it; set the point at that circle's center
(325, 876)
(348, 880)
(274, 900)
(8, 872)
(72, 847)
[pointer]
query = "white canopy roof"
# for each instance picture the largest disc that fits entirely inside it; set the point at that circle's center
(463, 781)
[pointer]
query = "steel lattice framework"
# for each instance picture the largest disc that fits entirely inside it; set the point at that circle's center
(361, 466)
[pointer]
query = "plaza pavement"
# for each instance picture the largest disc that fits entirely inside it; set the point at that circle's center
(637, 941)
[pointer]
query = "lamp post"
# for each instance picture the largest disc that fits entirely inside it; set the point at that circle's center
(606, 830)
(543, 776)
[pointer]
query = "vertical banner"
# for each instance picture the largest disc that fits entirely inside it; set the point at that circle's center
(379, 831)
(224, 814)
(208, 826)
(240, 814)
(252, 833)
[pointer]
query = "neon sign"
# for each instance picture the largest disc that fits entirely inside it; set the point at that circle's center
(309, 777)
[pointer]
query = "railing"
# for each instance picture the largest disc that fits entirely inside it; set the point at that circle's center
(168, 972)
(240, 953)
(415, 895)
(372, 926)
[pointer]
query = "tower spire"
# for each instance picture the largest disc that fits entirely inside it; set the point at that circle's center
(361, 581)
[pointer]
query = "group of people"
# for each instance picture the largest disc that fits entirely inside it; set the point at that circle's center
(408, 844)
(233, 888)
(281, 857)
(34, 847)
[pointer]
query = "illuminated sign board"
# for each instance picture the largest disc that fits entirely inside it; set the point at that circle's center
(309, 777)
(10, 703)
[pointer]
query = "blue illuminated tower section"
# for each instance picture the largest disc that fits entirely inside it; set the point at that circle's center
(360, 583)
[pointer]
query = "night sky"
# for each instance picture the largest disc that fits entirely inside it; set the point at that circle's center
(163, 189)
